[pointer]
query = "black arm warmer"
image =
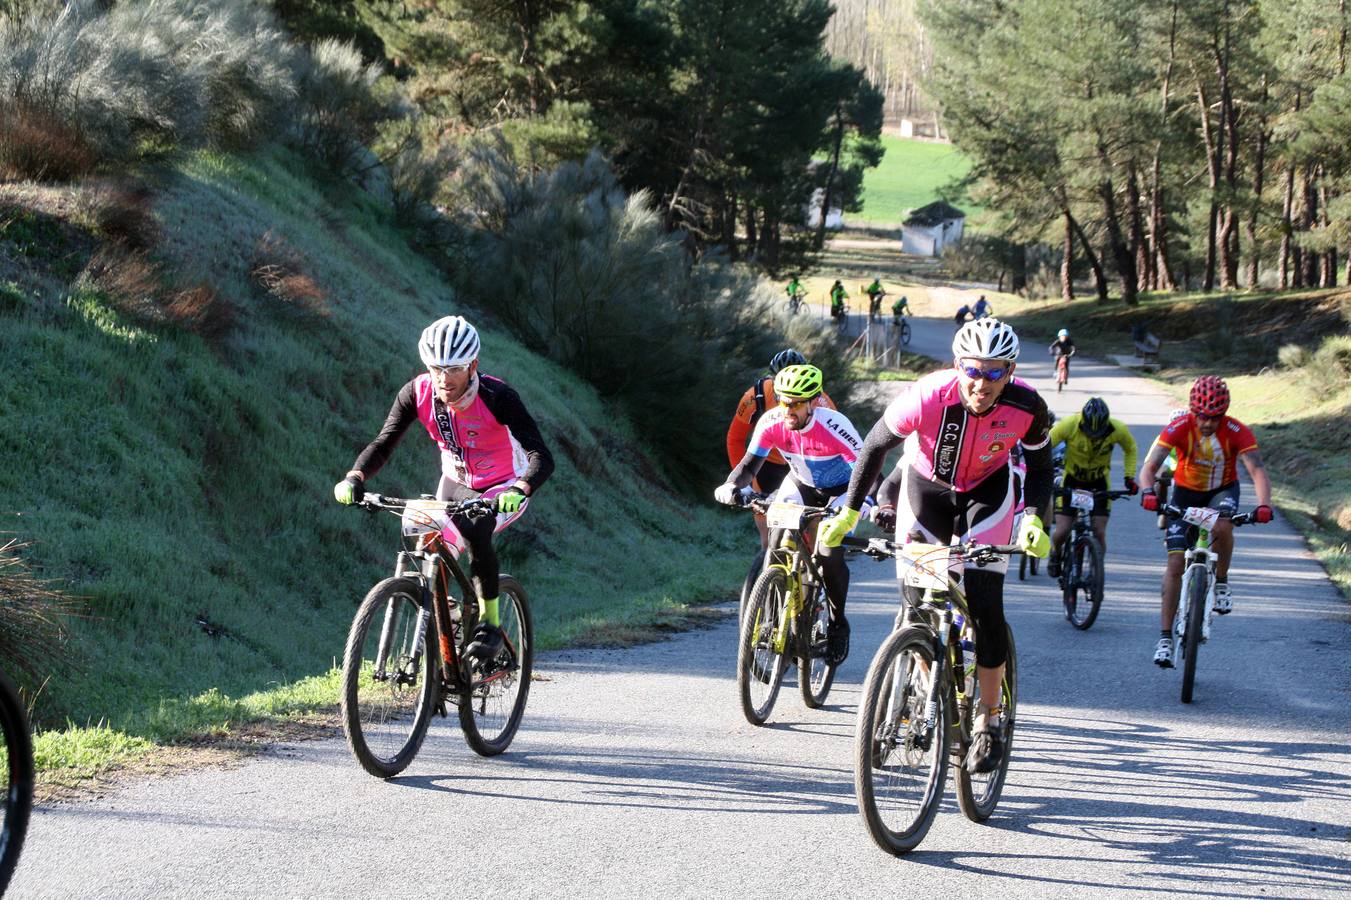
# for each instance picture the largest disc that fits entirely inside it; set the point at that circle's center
(746, 470)
(1040, 478)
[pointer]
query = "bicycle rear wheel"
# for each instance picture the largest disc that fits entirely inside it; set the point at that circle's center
(978, 794)
(492, 704)
(18, 768)
(389, 677)
(814, 675)
(1083, 582)
(760, 668)
(899, 765)
(1191, 641)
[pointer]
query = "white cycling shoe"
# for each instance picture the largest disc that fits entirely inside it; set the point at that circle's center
(1224, 600)
(1163, 654)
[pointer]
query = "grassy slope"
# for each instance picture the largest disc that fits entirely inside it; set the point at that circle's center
(910, 176)
(1302, 417)
(171, 480)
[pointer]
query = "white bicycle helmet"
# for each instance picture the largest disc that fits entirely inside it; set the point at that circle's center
(986, 338)
(450, 341)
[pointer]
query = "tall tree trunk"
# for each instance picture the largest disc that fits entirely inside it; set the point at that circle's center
(752, 233)
(1209, 139)
(1144, 260)
(1017, 268)
(1161, 277)
(729, 226)
(820, 240)
(1229, 141)
(1259, 172)
(1067, 262)
(1099, 276)
(1308, 215)
(1287, 211)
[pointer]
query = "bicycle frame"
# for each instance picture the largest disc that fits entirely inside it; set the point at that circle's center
(794, 557)
(1200, 563)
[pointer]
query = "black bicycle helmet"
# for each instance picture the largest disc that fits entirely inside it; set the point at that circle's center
(785, 358)
(1096, 419)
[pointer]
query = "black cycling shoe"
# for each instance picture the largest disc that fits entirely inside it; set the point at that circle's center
(1053, 567)
(486, 643)
(837, 642)
(987, 749)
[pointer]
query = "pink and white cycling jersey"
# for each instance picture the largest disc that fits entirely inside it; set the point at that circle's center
(821, 455)
(956, 447)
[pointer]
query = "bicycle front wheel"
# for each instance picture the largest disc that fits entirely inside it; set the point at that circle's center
(905, 333)
(18, 768)
(978, 793)
(748, 585)
(389, 677)
(1191, 640)
(760, 666)
(1083, 584)
(900, 763)
(492, 704)
(814, 675)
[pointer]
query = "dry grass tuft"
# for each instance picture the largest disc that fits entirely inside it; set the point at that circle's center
(38, 146)
(31, 614)
(202, 310)
(123, 212)
(278, 268)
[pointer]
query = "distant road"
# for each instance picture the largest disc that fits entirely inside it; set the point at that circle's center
(634, 773)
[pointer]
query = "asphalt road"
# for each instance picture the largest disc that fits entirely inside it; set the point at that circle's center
(635, 774)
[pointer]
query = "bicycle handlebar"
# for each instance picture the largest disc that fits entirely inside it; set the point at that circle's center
(882, 549)
(1177, 512)
(474, 508)
(1110, 495)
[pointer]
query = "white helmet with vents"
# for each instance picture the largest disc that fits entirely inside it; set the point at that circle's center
(450, 341)
(986, 338)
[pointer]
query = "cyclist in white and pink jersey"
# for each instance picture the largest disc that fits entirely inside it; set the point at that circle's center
(959, 483)
(820, 446)
(490, 447)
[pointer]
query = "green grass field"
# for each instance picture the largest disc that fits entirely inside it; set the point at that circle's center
(912, 174)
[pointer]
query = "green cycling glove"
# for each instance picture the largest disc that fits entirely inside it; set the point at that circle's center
(833, 532)
(510, 501)
(348, 491)
(1032, 537)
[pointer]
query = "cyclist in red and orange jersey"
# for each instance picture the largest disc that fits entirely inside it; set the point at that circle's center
(758, 398)
(1209, 445)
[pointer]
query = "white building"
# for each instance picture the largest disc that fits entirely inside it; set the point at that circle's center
(931, 228)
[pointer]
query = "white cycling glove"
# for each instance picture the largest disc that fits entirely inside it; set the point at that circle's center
(725, 494)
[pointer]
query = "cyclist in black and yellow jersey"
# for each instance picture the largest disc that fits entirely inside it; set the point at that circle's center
(1089, 436)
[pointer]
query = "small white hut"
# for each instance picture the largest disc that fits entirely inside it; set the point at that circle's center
(931, 228)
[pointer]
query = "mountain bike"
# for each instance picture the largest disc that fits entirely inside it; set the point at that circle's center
(18, 768)
(1195, 603)
(1080, 559)
(405, 658)
(787, 617)
(900, 327)
(794, 304)
(874, 305)
(1062, 372)
(841, 317)
(920, 699)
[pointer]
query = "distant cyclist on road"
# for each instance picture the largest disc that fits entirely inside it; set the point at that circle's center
(875, 293)
(1062, 349)
(759, 398)
(982, 308)
(963, 313)
(796, 291)
(959, 482)
(837, 297)
(1089, 436)
(1209, 445)
(820, 446)
(490, 448)
(900, 308)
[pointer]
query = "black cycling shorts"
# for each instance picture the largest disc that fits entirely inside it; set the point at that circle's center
(1180, 536)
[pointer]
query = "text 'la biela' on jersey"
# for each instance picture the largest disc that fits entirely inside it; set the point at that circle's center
(821, 455)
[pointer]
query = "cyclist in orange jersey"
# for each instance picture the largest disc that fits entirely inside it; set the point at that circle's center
(1209, 445)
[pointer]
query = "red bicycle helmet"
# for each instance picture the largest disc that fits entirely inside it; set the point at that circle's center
(1209, 396)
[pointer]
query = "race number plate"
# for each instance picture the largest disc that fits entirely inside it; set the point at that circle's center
(784, 515)
(1082, 499)
(1201, 516)
(925, 565)
(421, 516)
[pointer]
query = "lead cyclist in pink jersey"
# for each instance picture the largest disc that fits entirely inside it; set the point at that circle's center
(820, 446)
(490, 448)
(959, 483)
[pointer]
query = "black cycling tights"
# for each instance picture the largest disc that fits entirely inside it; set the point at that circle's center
(985, 599)
(478, 534)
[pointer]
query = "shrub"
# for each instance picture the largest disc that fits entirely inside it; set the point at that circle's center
(1293, 356)
(1334, 355)
(37, 145)
(340, 109)
(31, 614)
(278, 269)
(121, 211)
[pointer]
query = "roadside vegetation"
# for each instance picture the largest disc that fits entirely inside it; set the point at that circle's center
(912, 173)
(217, 247)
